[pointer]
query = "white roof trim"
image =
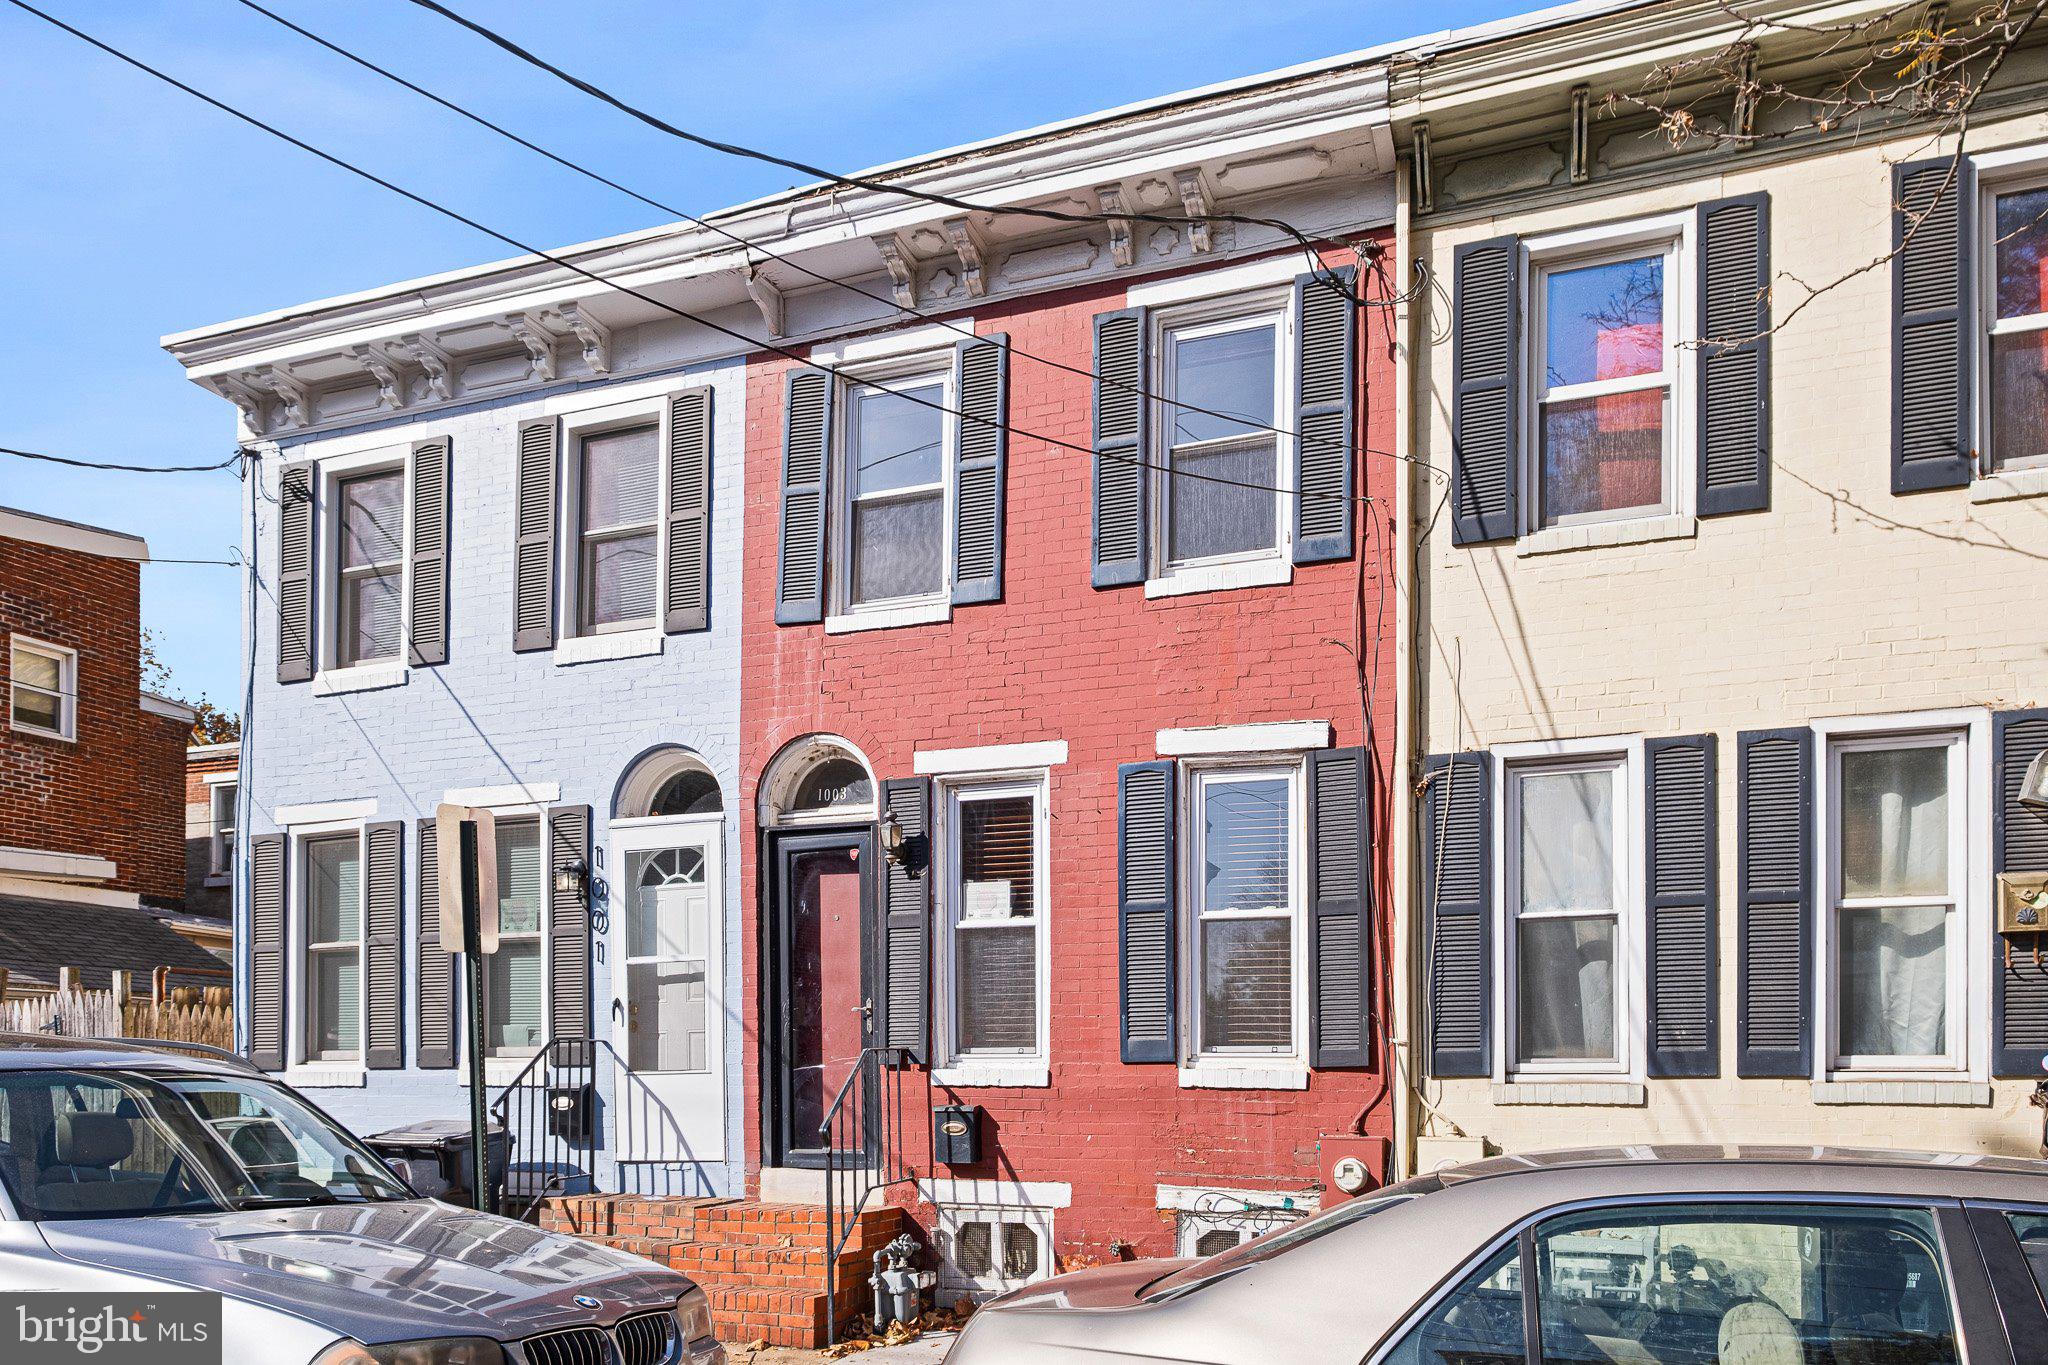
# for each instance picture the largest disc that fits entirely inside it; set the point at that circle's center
(16, 524)
(158, 705)
(54, 866)
(1270, 737)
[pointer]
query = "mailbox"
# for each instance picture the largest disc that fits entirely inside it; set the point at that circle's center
(570, 1110)
(956, 1134)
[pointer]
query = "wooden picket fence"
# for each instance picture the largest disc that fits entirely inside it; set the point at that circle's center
(182, 1014)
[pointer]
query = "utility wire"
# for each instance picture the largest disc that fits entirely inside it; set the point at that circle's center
(774, 348)
(794, 264)
(122, 468)
(877, 186)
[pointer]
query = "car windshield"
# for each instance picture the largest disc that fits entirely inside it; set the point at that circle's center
(125, 1144)
(1284, 1240)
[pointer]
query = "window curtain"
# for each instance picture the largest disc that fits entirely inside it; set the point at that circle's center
(1895, 960)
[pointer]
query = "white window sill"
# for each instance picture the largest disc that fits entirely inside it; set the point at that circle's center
(1607, 1093)
(215, 880)
(1269, 1077)
(502, 1071)
(2012, 483)
(890, 618)
(618, 644)
(1602, 534)
(40, 733)
(332, 682)
(1250, 573)
(325, 1076)
(980, 1073)
(1949, 1094)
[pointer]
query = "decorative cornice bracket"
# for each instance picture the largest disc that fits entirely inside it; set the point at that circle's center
(967, 247)
(1111, 200)
(592, 336)
(384, 369)
(768, 301)
(539, 343)
(1194, 201)
(296, 398)
(902, 274)
(434, 362)
(246, 397)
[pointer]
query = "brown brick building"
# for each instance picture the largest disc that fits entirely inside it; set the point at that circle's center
(92, 768)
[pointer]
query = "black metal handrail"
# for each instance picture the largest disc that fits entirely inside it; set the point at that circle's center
(862, 1134)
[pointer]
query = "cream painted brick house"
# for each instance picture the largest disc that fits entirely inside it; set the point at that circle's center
(1783, 938)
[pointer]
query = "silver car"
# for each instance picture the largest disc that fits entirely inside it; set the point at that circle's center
(1629, 1256)
(130, 1170)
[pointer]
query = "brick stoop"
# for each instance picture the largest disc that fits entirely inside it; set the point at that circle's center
(762, 1265)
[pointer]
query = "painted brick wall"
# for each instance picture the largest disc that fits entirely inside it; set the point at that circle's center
(116, 792)
(490, 717)
(1841, 600)
(1104, 671)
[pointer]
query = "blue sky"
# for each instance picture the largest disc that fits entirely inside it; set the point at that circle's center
(131, 211)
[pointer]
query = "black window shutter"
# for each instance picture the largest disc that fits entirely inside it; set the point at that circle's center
(1774, 895)
(1680, 789)
(1120, 421)
(383, 948)
(533, 607)
(1735, 355)
(569, 1014)
(266, 951)
(436, 971)
(2019, 843)
(982, 371)
(1486, 379)
(427, 610)
(1457, 860)
(295, 574)
(806, 442)
(1933, 436)
(1340, 931)
(686, 557)
(1145, 911)
(906, 920)
(1326, 374)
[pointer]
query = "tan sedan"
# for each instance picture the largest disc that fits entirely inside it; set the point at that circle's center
(1628, 1256)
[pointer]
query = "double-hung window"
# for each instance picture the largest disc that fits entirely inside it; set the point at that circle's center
(1897, 865)
(1223, 370)
(369, 567)
(993, 918)
(334, 948)
(1604, 383)
(515, 1007)
(1245, 886)
(42, 689)
(618, 515)
(895, 453)
(221, 824)
(1567, 882)
(2018, 224)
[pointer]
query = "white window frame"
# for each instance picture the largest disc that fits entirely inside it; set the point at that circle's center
(1968, 734)
(1247, 1068)
(220, 854)
(498, 1060)
(1673, 236)
(1194, 320)
(955, 1067)
(330, 472)
(2009, 172)
(67, 685)
(911, 370)
(955, 1282)
(1624, 755)
(303, 1017)
(577, 641)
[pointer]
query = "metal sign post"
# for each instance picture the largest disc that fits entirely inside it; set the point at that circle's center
(473, 973)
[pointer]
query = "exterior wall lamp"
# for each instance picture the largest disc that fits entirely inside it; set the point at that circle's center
(571, 879)
(2034, 786)
(893, 842)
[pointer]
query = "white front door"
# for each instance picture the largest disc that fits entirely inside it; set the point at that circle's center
(668, 891)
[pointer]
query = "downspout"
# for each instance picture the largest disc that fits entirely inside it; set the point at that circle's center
(1407, 711)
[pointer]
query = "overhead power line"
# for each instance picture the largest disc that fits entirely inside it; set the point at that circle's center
(660, 124)
(772, 347)
(769, 252)
(122, 468)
